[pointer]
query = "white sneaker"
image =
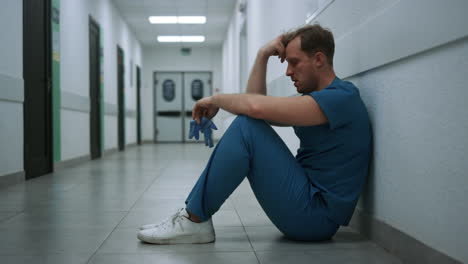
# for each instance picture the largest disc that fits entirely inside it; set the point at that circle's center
(178, 229)
(149, 226)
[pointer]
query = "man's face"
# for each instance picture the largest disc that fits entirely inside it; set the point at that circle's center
(301, 68)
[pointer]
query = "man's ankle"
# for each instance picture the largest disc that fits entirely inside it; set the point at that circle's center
(193, 217)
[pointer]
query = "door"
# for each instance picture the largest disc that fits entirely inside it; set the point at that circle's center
(168, 106)
(138, 77)
(37, 88)
(94, 89)
(120, 98)
(196, 86)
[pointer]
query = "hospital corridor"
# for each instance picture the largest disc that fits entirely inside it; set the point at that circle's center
(178, 131)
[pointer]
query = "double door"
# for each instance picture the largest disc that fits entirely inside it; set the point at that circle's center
(175, 96)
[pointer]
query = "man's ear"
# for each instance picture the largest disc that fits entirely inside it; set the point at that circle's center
(320, 59)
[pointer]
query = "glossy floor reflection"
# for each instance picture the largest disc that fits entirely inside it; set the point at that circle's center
(90, 214)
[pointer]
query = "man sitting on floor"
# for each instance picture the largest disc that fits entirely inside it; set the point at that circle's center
(307, 197)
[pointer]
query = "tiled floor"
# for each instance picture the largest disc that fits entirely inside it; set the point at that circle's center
(90, 214)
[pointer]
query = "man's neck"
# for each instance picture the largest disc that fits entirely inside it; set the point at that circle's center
(326, 79)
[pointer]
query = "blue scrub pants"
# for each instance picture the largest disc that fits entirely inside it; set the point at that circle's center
(250, 147)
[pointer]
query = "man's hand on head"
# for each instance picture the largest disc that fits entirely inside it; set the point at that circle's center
(274, 48)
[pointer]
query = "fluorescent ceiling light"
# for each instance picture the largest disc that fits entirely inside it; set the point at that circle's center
(193, 38)
(163, 19)
(177, 19)
(169, 38)
(181, 38)
(192, 20)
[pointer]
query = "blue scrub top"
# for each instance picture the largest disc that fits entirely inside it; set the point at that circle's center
(336, 155)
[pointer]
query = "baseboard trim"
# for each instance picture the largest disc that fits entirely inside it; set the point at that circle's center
(403, 246)
(79, 160)
(110, 151)
(12, 179)
(131, 145)
(180, 142)
(58, 165)
(215, 141)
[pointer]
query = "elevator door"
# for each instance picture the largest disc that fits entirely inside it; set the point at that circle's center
(196, 86)
(168, 106)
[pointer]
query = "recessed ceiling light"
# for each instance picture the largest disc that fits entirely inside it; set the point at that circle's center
(177, 19)
(181, 38)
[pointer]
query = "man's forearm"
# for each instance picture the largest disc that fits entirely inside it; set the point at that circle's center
(238, 104)
(257, 79)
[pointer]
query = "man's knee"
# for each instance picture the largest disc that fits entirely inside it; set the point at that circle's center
(249, 120)
(242, 118)
(249, 126)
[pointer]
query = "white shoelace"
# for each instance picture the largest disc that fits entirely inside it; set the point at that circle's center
(171, 221)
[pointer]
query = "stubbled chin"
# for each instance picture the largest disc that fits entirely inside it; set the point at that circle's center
(298, 88)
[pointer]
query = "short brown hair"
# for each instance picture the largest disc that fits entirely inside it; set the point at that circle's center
(314, 38)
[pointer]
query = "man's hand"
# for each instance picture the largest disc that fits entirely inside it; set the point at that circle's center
(274, 48)
(204, 108)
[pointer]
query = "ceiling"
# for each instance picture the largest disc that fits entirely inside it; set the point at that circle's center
(218, 14)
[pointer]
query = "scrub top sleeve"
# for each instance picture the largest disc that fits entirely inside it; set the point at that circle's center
(338, 105)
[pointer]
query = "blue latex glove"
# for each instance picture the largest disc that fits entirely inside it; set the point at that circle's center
(194, 130)
(206, 126)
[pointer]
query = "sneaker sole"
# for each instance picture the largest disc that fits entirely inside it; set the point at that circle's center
(185, 239)
(144, 228)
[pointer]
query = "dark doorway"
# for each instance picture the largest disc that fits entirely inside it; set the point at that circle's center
(120, 95)
(37, 108)
(138, 76)
(94, 89)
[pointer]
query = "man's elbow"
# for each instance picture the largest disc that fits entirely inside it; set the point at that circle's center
(255, 110)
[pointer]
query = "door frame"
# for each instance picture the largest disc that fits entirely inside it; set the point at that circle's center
(183, 111)
(120, 101)
(27, 43)
(97, 111)
(138, 102)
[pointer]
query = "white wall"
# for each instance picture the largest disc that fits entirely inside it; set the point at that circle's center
(419, 117)
(11, 87)
(170, 59)
(231, 61)
(74, 67)
(268, 19)
(263, 23)
(11, 52)
(411, 72)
